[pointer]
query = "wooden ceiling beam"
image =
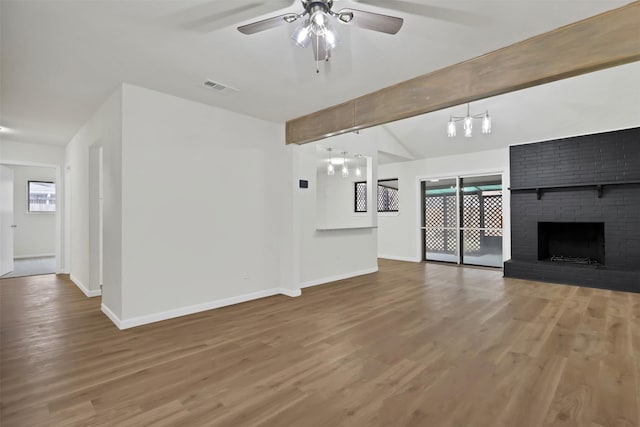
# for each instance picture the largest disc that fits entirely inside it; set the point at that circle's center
(601, 41)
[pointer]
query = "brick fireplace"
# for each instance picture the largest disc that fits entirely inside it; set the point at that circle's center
(575, 211)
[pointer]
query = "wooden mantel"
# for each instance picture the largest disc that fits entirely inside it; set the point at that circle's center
(601, 41)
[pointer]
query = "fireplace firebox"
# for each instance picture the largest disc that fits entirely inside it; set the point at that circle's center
(571, 242)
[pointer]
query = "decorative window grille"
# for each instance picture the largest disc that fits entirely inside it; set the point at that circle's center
(388, 198)
(388, 195)
(440, 216)
(360, 196)
(493, 215)
(471, 219)
(41, 196)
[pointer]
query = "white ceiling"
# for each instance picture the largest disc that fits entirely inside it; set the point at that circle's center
(61, 59)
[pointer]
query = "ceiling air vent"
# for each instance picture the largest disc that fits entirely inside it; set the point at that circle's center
(213, 85)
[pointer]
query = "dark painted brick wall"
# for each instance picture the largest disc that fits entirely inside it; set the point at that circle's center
(600, 158)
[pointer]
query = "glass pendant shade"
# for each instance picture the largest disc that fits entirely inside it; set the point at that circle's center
(302, 35)
(319, 21)
(451, 128)
(468, 126)
(331, 38)
(358, 171)
(486, 124)
(330, 169)
(345, 169)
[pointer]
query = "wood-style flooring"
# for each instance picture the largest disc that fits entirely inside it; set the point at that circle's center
(411, 345)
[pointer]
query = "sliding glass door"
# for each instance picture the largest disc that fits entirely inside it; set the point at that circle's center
(462, 220)
(481, 218)
(440, 220)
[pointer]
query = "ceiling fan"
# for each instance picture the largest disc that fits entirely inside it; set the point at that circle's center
(316, 28)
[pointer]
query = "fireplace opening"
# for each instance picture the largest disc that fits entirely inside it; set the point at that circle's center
(571, 242)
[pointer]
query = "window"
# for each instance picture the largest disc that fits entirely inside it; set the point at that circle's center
(387, 195)
(42, 196)
(360, 190)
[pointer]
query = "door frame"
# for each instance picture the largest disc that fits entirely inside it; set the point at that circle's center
(506, 205)
(60, 267)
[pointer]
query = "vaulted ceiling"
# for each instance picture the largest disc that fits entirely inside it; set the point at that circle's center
(61, 59)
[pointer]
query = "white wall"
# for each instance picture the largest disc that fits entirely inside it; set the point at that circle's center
(103, 129)
(399, 235)
(206, 205)
(21, 153)
(335, 199)
(326, 255)
(35, 234)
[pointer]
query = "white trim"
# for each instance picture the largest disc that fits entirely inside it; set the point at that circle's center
(291, 292)
(111, 315)
(197, 308)
(33, 256)
(324, 280)
(400, 258)
(84, 289)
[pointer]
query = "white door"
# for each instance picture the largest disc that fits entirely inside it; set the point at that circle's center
(6, 220)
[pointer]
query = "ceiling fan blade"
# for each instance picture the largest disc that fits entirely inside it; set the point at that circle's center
(212, 15)
(429, 11)
(373, 21)
(266, 24)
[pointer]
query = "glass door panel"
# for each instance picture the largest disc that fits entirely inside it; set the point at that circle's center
(481, 218)
(440, 220)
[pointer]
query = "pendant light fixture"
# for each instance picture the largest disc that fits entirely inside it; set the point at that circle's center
(358, 170)
(468, 123)
(345, 168)
(330, 168)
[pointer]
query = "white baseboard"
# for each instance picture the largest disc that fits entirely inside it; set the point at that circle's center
(290, 292)
(33, 256)
(84, 289)
(400, 258)
(329, 279)
(111, 315)
(197, 308)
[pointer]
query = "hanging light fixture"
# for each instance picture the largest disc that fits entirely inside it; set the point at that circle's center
(330, 168)
(358, 170)
(317, 29)
(468, 123)
(345, 169)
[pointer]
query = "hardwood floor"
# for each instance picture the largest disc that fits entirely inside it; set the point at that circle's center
(412, 345)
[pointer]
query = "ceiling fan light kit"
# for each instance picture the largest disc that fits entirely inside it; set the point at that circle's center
(317, 26)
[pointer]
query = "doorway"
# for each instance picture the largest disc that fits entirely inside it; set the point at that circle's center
(30, 223)
(462, 220)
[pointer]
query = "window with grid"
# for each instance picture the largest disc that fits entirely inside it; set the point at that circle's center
(41, 196)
